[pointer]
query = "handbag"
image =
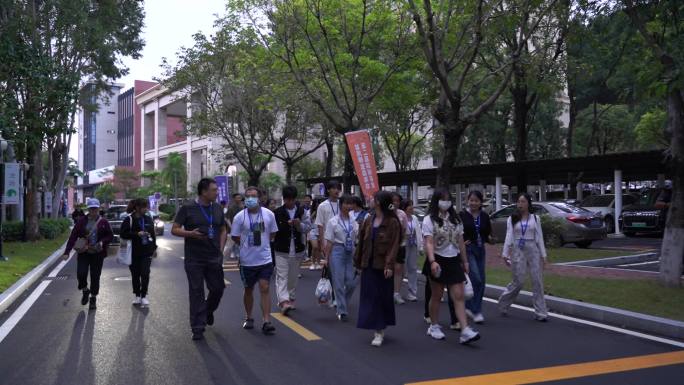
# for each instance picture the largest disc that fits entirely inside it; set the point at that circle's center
(81, 245)
(468, 291)
(125, 254)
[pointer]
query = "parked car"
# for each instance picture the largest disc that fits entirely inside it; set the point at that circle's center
(643, 216)
(115, 215)
(581, 226)
(158, 223)
(604, 205)
(489, 205)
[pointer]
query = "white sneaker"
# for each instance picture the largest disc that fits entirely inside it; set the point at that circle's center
(412, 298)
(456, 326)
(469, 313)
(469, 335)
(144, 302)
(312, 267)
(398, 300)
(319, 266)
(479, 318)
(136, 301)
(377, 340)
(427, 320)
(435, 331)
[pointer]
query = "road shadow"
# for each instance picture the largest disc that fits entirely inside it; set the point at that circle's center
(77, 367)
(229, 365)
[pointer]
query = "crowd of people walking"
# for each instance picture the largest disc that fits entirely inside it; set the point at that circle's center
(375, 247)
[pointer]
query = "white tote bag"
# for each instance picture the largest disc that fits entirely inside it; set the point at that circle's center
(125, 250)
(468, 291)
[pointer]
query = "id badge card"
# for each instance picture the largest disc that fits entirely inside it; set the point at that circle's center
(348, 244)
(412, 240)
(210, 232)
(256, 238)
(521, 243)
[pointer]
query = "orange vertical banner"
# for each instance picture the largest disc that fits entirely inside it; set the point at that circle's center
(361, 151)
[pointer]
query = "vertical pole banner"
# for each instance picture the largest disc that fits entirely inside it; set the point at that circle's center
(361, 151)
(222, 183)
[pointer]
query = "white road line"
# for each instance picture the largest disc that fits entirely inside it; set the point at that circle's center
(18, 314)
(640, 263)
(602, 326)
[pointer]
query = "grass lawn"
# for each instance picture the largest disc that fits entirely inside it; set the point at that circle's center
(25, 256)
(643, 296)
(568, 254)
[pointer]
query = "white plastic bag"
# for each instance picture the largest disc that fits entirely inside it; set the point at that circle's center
(468, 291)
(125, 253)
(323, 291)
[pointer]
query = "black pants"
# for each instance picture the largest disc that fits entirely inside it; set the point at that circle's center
(93, 263)
(428, 295)
(140, 272)
(198, 273)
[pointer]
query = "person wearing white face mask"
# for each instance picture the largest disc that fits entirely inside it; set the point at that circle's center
(447, 261)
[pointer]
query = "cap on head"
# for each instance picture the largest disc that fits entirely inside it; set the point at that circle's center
(93, 203)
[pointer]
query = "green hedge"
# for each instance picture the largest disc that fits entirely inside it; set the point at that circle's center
(167, 208)
(552, 229)
(48, 228)
(165, 217)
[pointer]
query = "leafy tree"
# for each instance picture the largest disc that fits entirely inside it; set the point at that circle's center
(175, 174)
(125, 180)
(603, 129)
(342, 53)
(660, 25)
(650, 131)
(105, 193)
(47, 49)
(453, 35)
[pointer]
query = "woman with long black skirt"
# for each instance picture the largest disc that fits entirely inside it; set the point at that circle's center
(374, 258)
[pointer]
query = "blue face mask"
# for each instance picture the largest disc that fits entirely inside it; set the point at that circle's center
(251, 202)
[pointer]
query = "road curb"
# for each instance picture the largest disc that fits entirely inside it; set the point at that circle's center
(10, 295)
(623, 318)
(613, 261)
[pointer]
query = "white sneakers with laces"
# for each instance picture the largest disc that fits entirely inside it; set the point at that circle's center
(377, 340)
(469, 335)
(398, 300)
(435, 331)
(136, 301)
(144, 302)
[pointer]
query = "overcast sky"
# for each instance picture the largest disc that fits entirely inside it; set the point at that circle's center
(169, 25)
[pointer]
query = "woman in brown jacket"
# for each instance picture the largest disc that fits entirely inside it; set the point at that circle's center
(375, 256)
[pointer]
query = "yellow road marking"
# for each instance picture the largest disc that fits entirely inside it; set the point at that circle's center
(297, 328)
(564, 372)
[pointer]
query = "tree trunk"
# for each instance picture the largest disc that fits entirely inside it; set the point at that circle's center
(35, 174)
(348, 174)
(520, 113)
(288, 172)
(453, 130)
(672, 251)
(330, 156)
(572, 117)
(254, 180)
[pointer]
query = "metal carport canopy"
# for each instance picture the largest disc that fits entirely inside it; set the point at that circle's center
(642, 165)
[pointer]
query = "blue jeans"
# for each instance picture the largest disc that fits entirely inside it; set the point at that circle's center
(343, 276)
(476, 260)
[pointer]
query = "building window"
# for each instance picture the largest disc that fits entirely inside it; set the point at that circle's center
(110, 150)
(111, 112)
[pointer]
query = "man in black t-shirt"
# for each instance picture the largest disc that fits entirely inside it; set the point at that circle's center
(203, 226)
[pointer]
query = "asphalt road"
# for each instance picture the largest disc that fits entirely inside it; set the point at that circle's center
(60, 342)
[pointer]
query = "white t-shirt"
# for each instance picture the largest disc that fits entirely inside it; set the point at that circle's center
(337, 229)
(445, 238)
(325, 212)
(263, 220)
